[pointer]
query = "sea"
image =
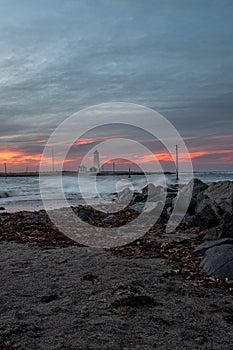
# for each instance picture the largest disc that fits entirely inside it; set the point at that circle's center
(26, 192)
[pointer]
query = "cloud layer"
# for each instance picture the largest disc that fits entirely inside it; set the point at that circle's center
(174, 56)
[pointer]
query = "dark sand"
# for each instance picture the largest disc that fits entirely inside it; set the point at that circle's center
(80, 298)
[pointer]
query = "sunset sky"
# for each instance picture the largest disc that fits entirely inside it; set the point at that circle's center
(59, 56)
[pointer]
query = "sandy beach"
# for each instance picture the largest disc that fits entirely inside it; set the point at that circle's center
(82, 298)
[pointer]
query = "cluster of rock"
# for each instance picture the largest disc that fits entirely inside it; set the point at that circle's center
(215, 211)
(211, 207)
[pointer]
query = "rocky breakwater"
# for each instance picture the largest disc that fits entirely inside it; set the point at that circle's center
(210, 210)
(215, 212)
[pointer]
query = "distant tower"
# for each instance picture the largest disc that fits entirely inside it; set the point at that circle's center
(96, 160)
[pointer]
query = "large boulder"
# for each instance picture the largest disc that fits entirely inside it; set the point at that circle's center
(191, 191)
(218, 261)
(197, 186)
(151, 191)
(223, 230)
(125, 196)
(205, 219)
(193, 188)
(219, 197)
(226, 227)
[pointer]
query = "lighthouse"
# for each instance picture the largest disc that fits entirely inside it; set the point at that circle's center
(96, 160)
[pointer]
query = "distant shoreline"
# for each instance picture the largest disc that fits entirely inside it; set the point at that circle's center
(56, 173)
(103, 173)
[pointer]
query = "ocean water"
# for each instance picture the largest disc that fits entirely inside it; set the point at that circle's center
(23, 193)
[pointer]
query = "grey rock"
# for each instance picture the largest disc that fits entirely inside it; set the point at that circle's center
(151, 191)
(192, 206)
(202, 248)
(205, 219)
(224, 230)
(125, 196)
(194, 188)
(218, 197)
(200, 197)
(218, 261)
(191, 190)
(198, 187)
(227, 225)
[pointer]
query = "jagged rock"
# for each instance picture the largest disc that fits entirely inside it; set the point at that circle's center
(218, 261)
(205, 219)
(198, 186)
(227, 225)
(200, 197)
(192, 206)
(192, 190)
(218, 197)
(125, 196)
(151, 191)
(224, 230)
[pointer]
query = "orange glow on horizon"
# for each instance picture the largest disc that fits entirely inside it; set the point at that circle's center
(19, 158)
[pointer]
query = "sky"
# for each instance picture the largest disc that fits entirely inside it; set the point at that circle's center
(60, 56)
